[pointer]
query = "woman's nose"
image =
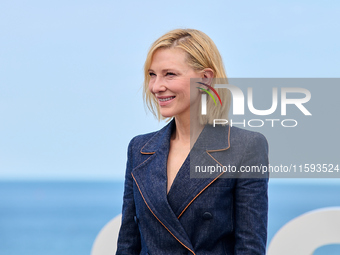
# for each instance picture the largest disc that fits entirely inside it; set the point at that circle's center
(157, 85)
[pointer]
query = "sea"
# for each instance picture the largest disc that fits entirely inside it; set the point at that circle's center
(64, 217)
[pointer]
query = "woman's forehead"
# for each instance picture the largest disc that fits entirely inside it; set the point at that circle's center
(168, 57)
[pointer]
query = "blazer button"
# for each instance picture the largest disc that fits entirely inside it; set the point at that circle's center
(207, 216)
(136, 219)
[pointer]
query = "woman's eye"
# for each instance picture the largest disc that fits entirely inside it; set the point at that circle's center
(151, 74)
(170, 74)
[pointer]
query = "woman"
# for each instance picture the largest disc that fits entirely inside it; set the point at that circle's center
(165, 211)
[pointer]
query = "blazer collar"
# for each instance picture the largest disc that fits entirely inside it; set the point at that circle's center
(211, 138)
(161, 137)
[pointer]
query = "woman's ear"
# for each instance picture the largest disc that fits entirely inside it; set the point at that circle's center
(207, 76)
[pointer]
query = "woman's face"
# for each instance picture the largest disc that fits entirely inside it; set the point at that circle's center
(170, 82)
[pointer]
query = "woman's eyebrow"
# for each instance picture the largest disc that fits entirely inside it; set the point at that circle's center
(164, 70)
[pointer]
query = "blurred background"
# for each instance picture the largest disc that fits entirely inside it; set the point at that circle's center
(70, 101)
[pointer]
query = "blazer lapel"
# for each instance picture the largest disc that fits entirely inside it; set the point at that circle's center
(151, 180)
(189, 183)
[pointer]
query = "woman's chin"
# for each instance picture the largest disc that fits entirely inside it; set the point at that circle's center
(166, 115)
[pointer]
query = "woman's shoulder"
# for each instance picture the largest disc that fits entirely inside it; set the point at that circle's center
(234, 134)
(240, 133)
(247, 138)
(142, 139)
(150, 140)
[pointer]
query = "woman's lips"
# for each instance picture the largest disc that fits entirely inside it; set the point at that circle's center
(165, 100)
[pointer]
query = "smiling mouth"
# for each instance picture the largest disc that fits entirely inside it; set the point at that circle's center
(166, 99)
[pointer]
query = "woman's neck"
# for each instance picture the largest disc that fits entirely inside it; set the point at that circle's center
(187, 130)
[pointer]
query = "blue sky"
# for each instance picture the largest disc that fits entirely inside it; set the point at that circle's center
(71, 71)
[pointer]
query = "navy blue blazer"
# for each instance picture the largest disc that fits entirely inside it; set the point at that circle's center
(211, 215)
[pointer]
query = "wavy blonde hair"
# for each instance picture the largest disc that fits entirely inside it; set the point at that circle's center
(201, 53)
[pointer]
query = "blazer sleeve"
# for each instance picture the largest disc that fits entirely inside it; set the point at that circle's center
(129, 241)
(251, 201)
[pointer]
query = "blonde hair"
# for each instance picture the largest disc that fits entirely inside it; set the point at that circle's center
(201, 53)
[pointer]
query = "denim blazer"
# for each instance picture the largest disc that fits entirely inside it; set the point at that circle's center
(212, 215)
